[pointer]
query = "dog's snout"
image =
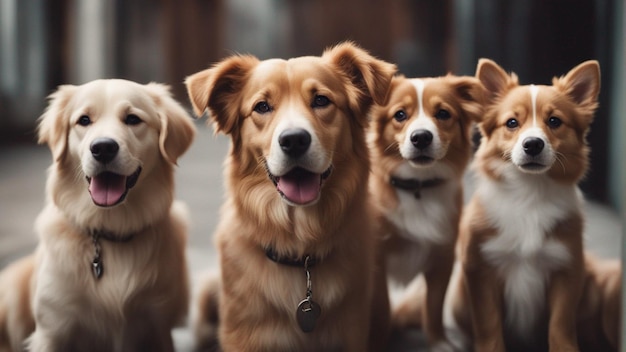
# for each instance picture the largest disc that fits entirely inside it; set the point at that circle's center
(533, 145)
(104, 149)
(421, 139)
(294, 142)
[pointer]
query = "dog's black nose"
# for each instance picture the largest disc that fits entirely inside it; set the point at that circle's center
(294, 142)
(104, 149)
(421, 138)
(533, 145)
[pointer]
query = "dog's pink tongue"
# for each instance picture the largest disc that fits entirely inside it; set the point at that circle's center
(107, 188)
(300, 186)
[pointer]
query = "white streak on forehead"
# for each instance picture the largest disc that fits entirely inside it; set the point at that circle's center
(419, 85)
(533, 98)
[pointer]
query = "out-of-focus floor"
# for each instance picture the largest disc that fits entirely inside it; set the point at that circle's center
(200, 184)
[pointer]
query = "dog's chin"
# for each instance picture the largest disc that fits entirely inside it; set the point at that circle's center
(108, 189)
(422, 161)
(299, 186)
(533, 168)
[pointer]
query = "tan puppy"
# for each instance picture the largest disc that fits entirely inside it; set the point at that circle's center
(521, 243)
(109, 273)
(295, 238)
(420, 142)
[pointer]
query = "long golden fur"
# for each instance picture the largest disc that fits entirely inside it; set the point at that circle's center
(421, 224)
(114, 143)
(523, 269)
(254, 102)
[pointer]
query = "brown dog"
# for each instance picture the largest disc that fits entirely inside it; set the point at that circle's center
(521, 242)
(296, 241)
(110, 272)
(420, 142)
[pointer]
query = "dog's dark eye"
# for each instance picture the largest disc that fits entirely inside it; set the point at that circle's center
(132, 120)
(512, 123)
(262, 107)
(442, 114)
(400, 115)
(320, 101)
(84, 120)
(554, 122)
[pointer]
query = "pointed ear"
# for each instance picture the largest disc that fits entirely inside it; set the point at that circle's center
(582, 83)
(177, 129)
(53, 125)
(472, 96)
(218, 89)
(495, 80)
(370, 78)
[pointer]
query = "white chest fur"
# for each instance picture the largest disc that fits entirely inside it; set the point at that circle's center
(425, 221)
(426, 218)
(524, 208)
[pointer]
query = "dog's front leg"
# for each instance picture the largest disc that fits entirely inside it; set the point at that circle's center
(484, 293)
(432, 315)
(485, 306)
(564, 297)
(565, 290)
(42, 341)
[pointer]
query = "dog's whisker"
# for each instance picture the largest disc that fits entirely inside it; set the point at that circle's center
(394, 145)
(560, 156)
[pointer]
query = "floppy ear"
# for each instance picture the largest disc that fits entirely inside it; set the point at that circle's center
(472, 96)
(582, 84)
(177, 128)
(495, 80)
(370, 77)
(53, 125)
(218, 89)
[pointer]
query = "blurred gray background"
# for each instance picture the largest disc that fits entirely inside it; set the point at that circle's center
(45, 43)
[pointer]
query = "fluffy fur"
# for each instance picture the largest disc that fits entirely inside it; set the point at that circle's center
(143, 291)
(256, 102)
(423, 134)
(521, 247)
(599, 315)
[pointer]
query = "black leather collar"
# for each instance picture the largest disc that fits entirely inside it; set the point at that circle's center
(415, 185)
(110, 236)
(290, 261)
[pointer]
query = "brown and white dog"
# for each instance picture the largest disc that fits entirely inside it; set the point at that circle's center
(296, 241)
(522, 272)
(420, 145)
(109, 273)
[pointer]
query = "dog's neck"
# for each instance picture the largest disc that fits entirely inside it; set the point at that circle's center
(97, 265)
(415, 185)
(306, 260)
(110, 235)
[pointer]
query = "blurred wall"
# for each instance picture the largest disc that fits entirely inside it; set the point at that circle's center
(47, 43)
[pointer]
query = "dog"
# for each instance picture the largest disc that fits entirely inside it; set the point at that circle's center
(109, 272)
(295, 239)
(420, 143)
(522, 264)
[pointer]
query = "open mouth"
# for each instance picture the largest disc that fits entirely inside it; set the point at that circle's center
(300, 186)
(108, 189)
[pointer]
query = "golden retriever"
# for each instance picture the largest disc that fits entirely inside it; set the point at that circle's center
(296, 238)
(420, 144)
(109, 273)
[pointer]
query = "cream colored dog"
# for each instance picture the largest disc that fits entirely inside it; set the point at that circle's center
(109, 273)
